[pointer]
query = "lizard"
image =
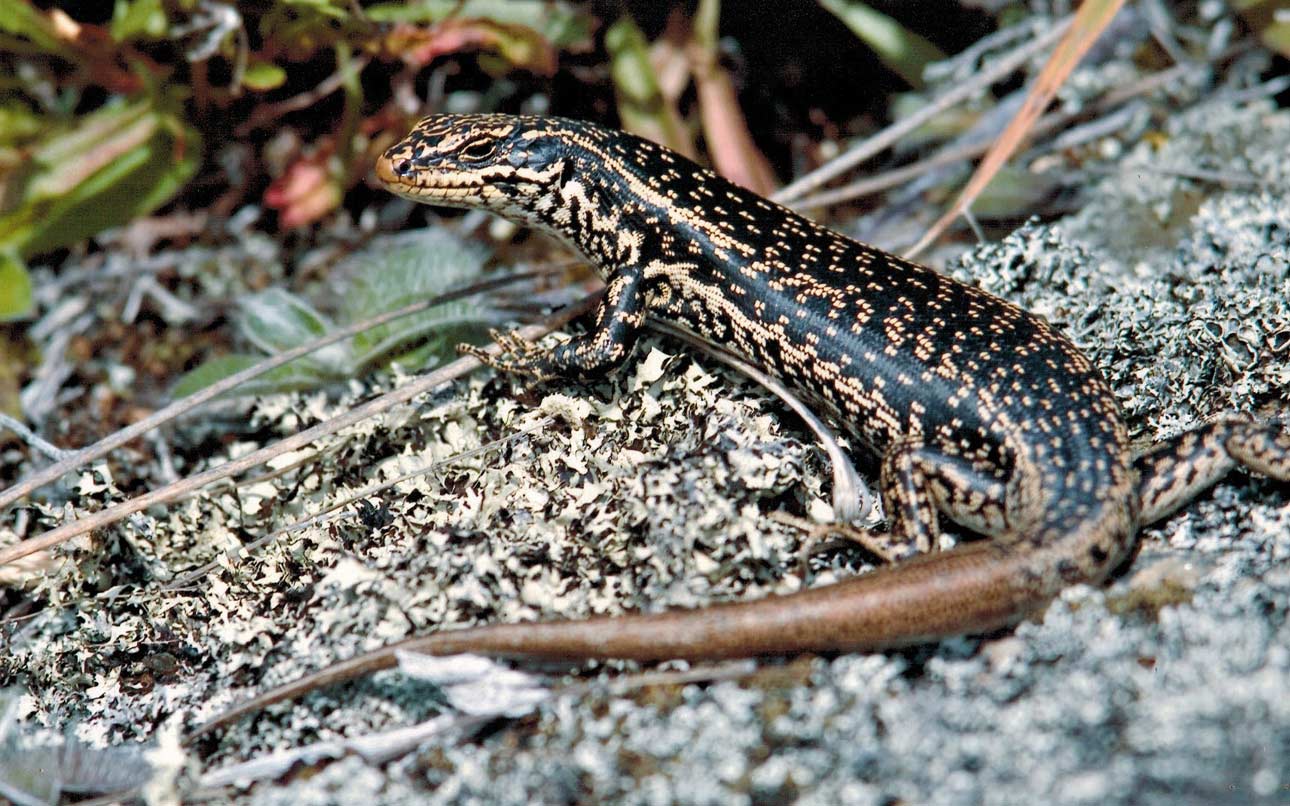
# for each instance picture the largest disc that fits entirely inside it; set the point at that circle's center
(972, 409)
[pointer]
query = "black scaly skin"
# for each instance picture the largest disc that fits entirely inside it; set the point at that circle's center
(974, 409)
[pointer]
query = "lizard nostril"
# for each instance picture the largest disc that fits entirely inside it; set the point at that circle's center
(392, 170)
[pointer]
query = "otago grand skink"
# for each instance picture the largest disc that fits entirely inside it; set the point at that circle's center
(974, 409)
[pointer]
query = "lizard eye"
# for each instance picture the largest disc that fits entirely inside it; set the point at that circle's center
(478, 150)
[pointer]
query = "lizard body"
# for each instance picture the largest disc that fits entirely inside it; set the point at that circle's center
(974, 409)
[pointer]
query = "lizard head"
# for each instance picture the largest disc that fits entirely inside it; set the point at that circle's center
(517, 166)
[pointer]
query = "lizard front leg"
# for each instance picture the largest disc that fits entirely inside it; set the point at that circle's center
(617, 323)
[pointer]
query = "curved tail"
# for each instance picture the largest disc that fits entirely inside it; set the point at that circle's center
(974, 588)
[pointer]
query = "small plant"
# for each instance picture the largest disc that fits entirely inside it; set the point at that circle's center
(390, 273)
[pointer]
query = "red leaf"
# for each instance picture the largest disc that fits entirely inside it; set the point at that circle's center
(305, 193)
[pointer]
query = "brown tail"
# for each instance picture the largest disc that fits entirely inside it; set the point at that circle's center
(974, 588)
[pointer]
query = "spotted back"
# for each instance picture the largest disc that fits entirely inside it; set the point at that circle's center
(896, 351)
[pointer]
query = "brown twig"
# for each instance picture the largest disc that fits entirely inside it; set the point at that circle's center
(894, 133)
(1089, 23)
(180, 407)
(384, 403)
(330, 513)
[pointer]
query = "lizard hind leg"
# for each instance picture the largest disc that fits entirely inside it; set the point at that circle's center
(919, 483)
(1176, 471)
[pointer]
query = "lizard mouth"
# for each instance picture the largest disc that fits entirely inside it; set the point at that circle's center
(399, 177)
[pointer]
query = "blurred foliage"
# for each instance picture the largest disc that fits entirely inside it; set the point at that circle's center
(108, 111)
(901, 49)
(15, 288)
(106, 118)
(1271, 19)
(643, 107)
(392, 272)
(100, 170)
(525, 33)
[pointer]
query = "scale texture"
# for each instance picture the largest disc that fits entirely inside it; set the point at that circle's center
(973, 409)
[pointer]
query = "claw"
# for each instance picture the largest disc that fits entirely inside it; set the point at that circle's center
(878, 544)
(516, 355)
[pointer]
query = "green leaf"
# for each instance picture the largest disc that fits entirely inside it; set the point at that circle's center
(262, 76)
(18, 125)
(397, 270)
(15, 289)
(904, 51)
(336, 9)
(212, 371)
(629, 65)
(1277, 37)
(296, 375)
(390, 273)
(21, 18)
(277, 320)
(138, 19)
(641, 106)
(560, 23)
(113, 165)
(92, 141)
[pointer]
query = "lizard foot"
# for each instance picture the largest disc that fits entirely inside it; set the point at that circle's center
(516, 355)
(819, 534)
